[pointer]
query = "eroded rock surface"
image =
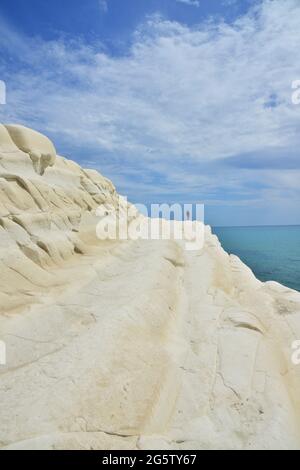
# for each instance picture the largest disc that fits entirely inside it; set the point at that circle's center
(130, 344)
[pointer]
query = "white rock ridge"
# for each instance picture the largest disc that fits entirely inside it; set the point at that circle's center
(40, 149)
(130, 344)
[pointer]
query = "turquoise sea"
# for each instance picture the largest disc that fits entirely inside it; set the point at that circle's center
(273, 253)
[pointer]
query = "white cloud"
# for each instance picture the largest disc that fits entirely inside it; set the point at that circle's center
(103, 5)
(175, 106)
(194, 3)
(229, 3)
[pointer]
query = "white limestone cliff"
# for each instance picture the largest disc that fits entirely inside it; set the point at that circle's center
(130, 344)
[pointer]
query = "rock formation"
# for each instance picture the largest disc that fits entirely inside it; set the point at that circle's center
(124, 344)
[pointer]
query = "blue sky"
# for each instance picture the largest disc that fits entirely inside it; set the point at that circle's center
(174, 100)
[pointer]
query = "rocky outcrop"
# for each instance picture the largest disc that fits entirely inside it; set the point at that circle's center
(40, 215)
(126, 344)
(37, 146)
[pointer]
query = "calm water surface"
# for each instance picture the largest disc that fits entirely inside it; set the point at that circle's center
(273, 253)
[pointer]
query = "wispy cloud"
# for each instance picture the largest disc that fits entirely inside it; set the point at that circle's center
(193, 3)
(168, 114)
(103, 5)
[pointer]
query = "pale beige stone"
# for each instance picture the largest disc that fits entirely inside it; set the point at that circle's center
(40, 149)
(130, 344)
